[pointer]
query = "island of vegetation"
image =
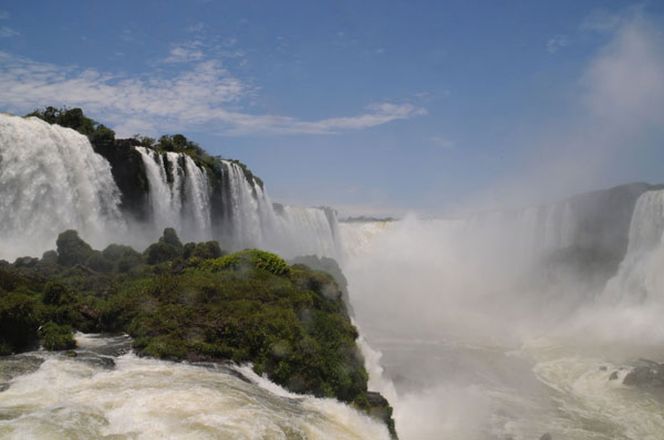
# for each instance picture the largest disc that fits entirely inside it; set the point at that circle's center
(193, 302)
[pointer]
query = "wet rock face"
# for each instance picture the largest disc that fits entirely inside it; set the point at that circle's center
(379, 408)
(649, 375)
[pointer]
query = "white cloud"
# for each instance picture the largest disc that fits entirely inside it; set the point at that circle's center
(205, 94)
(185, 53)
(7, 32)
(557, 42)
(625, 83)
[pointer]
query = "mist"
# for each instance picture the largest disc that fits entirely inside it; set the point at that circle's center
(501, 321)
(610, 120)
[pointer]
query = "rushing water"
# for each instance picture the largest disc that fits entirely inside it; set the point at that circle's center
(181, 197)
(51, 180)
(102, 393)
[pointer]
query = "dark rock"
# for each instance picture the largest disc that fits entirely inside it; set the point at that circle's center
(95, 360)
(546, 436)
(129, 174)
(14, 366)
(379, 408)
(651, 375)
(602, 368)
(614, 376)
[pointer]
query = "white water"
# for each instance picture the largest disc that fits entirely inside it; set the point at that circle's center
(150, 399)
(250, 218)
(51, 180)
(474, 350)
(640, 278)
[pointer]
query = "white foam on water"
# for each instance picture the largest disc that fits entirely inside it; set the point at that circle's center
(150, 399)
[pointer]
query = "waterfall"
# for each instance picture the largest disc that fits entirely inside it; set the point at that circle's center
(640, 278)
(181, 197)
(51, 180)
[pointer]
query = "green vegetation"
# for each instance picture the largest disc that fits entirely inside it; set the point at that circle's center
(75, 119)
(189, 302)
(118, 152)
(57, 336)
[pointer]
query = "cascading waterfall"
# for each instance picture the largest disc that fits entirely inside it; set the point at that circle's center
(52, 180)
(197, 193)
(181, 197)
(640, 278)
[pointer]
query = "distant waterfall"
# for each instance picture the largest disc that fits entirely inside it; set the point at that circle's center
(640, 278)
(51, 180)
(240, 215)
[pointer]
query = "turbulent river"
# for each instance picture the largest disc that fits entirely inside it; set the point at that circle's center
(108, 393)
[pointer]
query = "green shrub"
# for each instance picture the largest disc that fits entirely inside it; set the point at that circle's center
(19, 321)
(50, 257)
(56, 337)
(205, 250)
(168, 248)
(250, 259)
(71, 249)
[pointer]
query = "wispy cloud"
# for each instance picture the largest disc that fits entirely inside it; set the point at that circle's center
(203, 94)
(185, 53)
(7, 32)
(625, 83)
(4, 15)
(556, 43)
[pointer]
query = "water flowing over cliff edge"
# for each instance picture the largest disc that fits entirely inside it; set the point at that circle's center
(51, 179)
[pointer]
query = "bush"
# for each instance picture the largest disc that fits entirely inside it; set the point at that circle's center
(56, 294)
(71, 249)
(50, 257)
(250, 259)
(168, 248)
(75, 119)
(204, 251)
(18, 321)
(57, 337)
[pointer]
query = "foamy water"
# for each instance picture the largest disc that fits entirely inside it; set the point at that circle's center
(150, 399)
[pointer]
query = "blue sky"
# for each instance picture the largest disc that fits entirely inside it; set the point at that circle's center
(371, 106)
